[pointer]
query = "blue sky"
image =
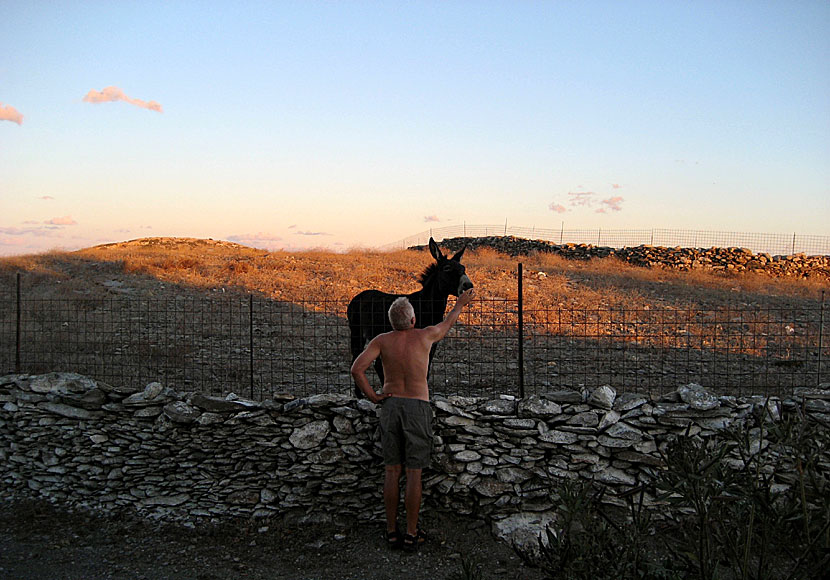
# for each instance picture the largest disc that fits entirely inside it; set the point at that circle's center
(341, 124)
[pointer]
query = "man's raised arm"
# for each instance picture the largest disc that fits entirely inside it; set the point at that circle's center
(440, 330)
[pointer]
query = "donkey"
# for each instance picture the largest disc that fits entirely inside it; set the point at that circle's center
(367, 312)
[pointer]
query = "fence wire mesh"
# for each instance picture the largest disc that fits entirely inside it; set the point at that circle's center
(256, 347)
(774, 244)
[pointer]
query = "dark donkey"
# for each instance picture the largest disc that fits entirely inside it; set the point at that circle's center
(367, 312)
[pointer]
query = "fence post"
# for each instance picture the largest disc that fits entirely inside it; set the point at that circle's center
(251, 336)
(521, 339)
(820, 341)
(17, 332)
(793, 252)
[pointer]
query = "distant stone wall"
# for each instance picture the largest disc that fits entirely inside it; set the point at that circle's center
(191, 458)
(684, 259)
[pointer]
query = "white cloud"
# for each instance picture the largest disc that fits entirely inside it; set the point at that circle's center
(9, 113)
(581, 198)
(110, 94)
(61, 221)
(613, 203)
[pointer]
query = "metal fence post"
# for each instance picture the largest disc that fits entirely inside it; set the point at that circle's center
(251, 336)
(521, 339)
(17, 332)
(820, 337)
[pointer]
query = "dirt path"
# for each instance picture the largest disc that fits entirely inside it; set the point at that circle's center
(38, 541)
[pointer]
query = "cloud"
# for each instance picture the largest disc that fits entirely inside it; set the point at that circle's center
(299, 233)
(581, 198)
(47, 197)
(557, 207)
(616, 186)
(61, 221)
(39, 231)
(431, 218)
(612, 203)
(9, 113)
(258, 240)
(110, 94)
(260, 237)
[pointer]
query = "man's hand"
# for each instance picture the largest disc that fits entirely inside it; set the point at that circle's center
(376, 398)
(466, 297)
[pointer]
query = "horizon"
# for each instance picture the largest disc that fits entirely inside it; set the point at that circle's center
(292, 126)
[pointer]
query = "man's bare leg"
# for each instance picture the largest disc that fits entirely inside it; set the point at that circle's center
(392, 496)
(412, 500)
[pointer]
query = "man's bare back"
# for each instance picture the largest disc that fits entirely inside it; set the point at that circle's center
(405, 357)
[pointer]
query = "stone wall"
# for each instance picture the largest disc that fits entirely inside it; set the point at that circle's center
(191, 458)
(683, 259)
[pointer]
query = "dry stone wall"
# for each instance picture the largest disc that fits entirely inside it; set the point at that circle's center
(684, 259)
(192, 458)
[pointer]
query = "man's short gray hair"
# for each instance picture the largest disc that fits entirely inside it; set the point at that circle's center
(401, 313)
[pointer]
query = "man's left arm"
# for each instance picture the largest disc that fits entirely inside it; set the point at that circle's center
(361, 365)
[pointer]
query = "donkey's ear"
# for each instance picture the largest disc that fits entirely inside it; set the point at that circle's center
(435, 250)
(458, 255)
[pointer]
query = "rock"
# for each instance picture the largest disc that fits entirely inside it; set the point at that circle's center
(310, 435)
(209, 419)
(489, 487)
(244, 497)
(66, 410)
(586, 419)
(534, 406)
(219, 405)
(628, 401)
(151, 391)
(614, 476)
(165, 500)
(499, 407)
(697, 397)
(603, 397)
(147, 412)
(467, 456)
(153, 394)
(624, 431)
(610, 418)
(181, 412)
(554, 436)
(564, 397)
(525, 530)
(512, 475)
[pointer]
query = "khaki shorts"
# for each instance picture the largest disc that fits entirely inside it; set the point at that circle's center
(406, 432)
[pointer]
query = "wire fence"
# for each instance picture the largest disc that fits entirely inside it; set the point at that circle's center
(258, 348)
(774, 244)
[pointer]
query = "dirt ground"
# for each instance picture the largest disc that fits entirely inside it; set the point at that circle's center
(39, 541)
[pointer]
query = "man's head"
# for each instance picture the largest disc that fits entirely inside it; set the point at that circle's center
(401, 314)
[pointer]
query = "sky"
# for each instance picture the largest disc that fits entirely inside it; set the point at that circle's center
(292, 125)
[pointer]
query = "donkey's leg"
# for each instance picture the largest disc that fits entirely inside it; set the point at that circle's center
(431, 355)
(379, 370)
(357, 344)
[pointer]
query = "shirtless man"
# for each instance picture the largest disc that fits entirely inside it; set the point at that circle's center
(405, 417)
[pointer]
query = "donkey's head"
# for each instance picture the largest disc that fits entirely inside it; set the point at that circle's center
(448, 274)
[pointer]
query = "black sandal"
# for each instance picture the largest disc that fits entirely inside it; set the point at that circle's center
(394, 539)
(412, 543)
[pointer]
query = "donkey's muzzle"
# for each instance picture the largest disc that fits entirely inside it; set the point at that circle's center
(464, 284)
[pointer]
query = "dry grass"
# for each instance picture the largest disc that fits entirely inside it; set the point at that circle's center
(621, 318)
(549, 282)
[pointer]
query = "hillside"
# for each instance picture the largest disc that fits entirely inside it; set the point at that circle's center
(550, 281)
(220, 317)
